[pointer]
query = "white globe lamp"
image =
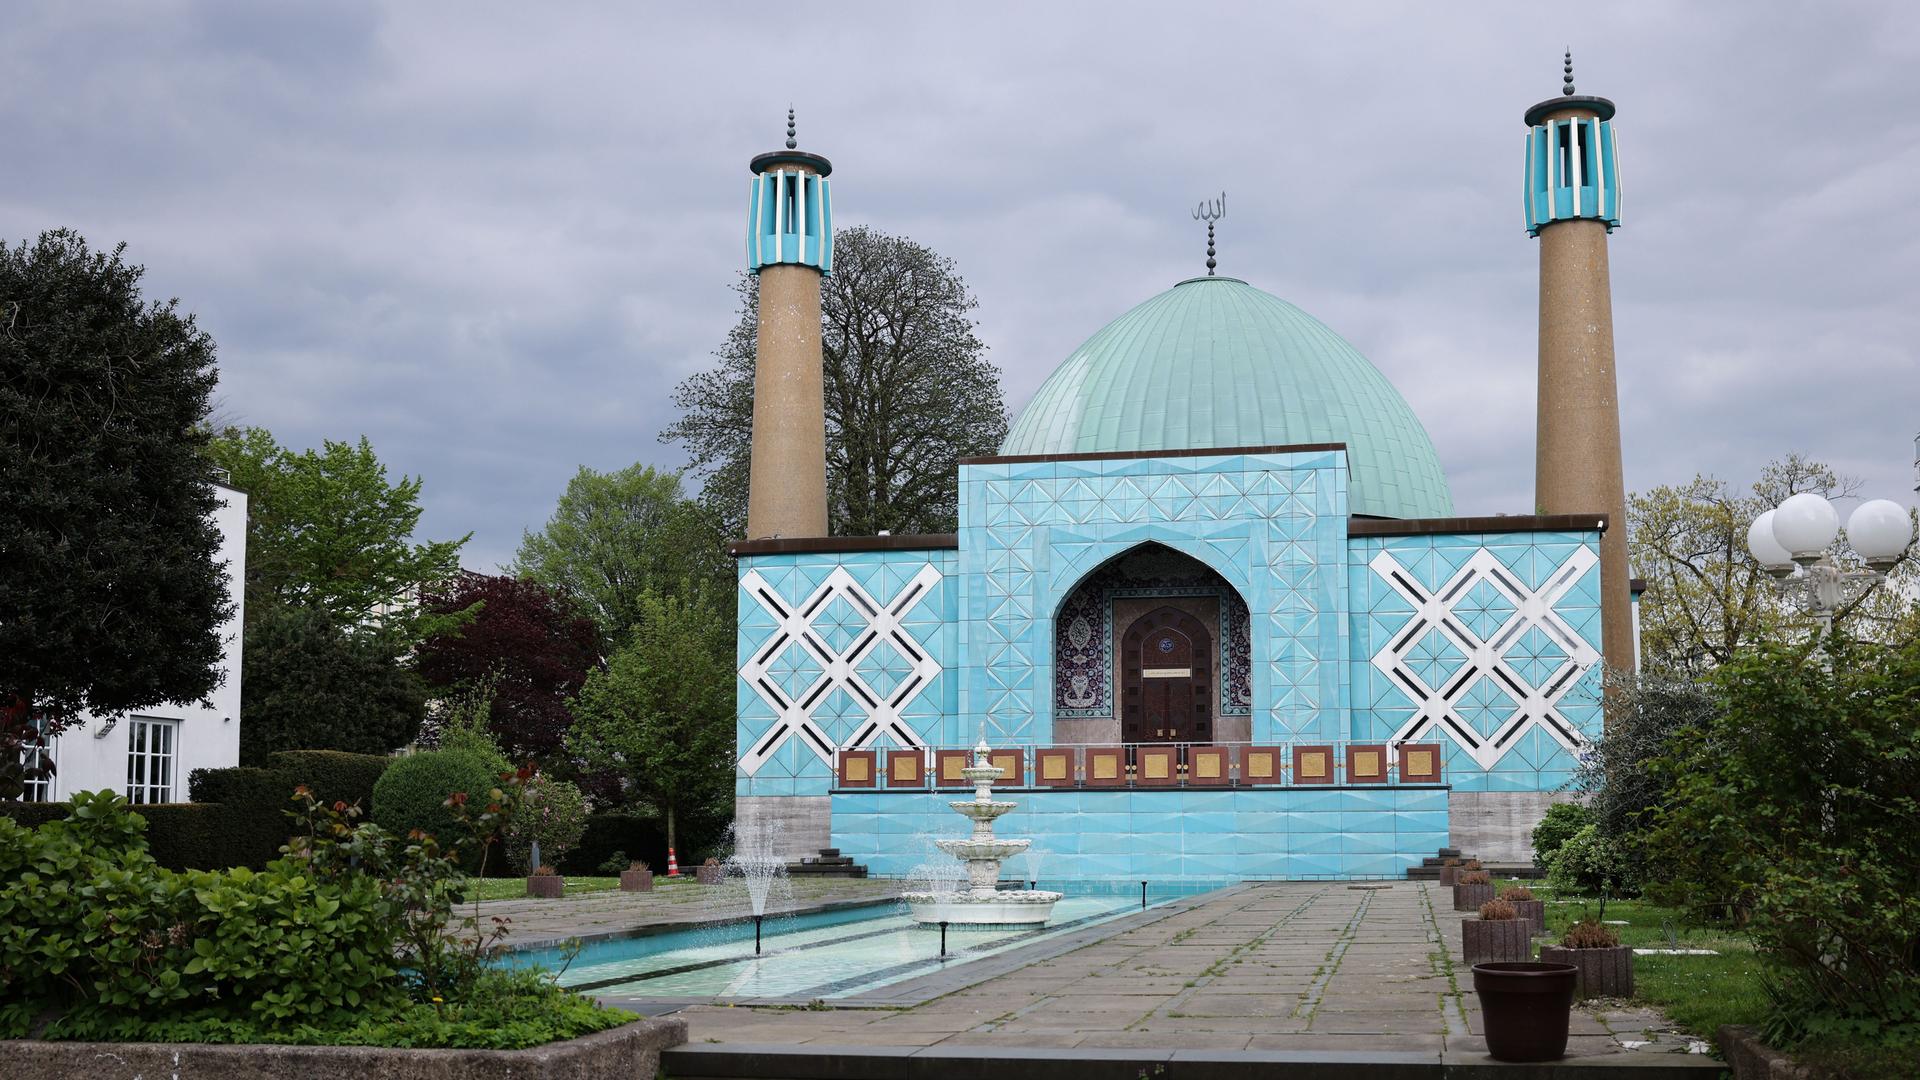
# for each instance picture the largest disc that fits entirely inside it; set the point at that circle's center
(1776, 560)
(1880, 531)
(1805, 524)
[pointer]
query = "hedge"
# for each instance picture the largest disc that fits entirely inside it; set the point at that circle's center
(334, 775)
(257, 799)
(634, 835)
(180, 836)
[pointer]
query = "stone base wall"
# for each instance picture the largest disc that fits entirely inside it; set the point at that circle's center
(800, 825)
(623, 1053)
(1497, 826)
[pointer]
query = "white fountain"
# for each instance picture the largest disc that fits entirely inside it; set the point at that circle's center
(765, 873)
(982, 903)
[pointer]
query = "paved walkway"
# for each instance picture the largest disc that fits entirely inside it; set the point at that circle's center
(680, 903)
(1280, 966)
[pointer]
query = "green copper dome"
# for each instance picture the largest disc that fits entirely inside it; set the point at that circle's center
(1215, 362)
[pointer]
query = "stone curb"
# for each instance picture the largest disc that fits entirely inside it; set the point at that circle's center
(622, 1053)
(741, 1061)
(1751, 1059)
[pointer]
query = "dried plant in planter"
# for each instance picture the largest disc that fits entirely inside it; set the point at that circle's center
(711, 861)
(1473, 864)
(1449, 862)
(1497, 911)
(640, 865)
(1476, 877)
(1589, 934)
(544, 871)
(1516, 892)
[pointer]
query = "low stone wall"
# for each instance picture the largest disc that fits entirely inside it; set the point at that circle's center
(623, 1053)
(1750, 1059)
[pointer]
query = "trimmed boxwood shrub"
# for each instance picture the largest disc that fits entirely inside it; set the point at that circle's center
(412, 793)
(29, 814)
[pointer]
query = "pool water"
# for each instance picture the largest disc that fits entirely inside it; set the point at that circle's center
(824, 955)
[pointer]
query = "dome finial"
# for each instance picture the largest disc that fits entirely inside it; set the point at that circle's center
(1210, 211)
(791, 141)
(1566, 80)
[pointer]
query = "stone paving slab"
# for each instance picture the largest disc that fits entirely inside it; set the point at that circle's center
(1283, 967)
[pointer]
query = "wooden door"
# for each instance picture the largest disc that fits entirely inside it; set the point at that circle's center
(1166, 679)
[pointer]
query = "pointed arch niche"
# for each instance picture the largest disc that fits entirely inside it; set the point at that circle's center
(1094, 616)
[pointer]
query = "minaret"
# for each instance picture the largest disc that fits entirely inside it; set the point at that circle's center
(1572, 203)
(790, 248)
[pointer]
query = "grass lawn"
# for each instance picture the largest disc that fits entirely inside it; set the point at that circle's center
(516, 888)
(1699, 993)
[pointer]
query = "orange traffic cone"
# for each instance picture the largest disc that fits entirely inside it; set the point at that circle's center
(673, 864)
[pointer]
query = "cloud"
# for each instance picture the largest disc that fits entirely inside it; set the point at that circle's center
(491, 237)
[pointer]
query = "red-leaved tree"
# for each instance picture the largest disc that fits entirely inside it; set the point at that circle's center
(531, 643)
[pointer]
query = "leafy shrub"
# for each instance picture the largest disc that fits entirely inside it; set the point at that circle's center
(554, 813)
(1586, 863)
(1589, 934)
(189, 836)
(1498, 911)
(614, 863)
(1562, 821)
(1516, 892)
(1475, 877)
(412, 794)
(1794, 806)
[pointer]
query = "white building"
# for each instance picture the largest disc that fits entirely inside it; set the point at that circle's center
(146, 755)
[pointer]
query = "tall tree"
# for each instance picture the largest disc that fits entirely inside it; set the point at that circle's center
(113, 595)
(312, 685)
(616, 536)
(661, 713)
(326, 529)
(909, 391)
(1707, 599)
(528, 644)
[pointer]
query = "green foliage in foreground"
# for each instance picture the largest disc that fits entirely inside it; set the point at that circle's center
(505, 1011)
(1562, 821)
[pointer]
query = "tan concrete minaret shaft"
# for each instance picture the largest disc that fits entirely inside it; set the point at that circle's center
(790, 248)
(1573, 202)
(787, 488)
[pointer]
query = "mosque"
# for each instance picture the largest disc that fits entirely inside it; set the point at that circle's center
(1210, 605)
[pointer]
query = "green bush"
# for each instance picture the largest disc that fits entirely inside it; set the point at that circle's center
(1587, 863)
(30, 814)
(255, 800)
(1794, 806)
(190, 836)
(91, 925)
(412, 793)
(553, 813)
(1562, 821)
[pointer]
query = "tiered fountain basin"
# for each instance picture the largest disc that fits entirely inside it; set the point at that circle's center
(982, 903)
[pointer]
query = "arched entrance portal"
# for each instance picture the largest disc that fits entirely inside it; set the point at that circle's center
(1166, 678)
(1093, 690)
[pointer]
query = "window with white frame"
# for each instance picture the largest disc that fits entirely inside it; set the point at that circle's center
(37, 766)
(152, 746)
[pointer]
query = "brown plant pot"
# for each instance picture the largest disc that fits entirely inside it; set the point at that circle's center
(1532, 911)
(709, 875)
(1449, 876)
(546, 886)
(1496, 941)
(636, 881)
(1601, 972)
(1525, 1008)
(1470, 897)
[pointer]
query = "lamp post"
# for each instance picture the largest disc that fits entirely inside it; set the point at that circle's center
(1790, 542)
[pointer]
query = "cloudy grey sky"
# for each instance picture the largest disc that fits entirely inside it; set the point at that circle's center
(492, 236)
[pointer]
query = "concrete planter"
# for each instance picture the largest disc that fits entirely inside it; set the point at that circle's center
(636, 881)
(546, 886)
(1496, 941)
(1602, 972)
(1532, 911)
(710, 875)
(620, 1054)
(1470, 897)
(1449, 876)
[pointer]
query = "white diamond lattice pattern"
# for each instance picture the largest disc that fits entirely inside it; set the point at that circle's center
(840, 637)
(1516, 660)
